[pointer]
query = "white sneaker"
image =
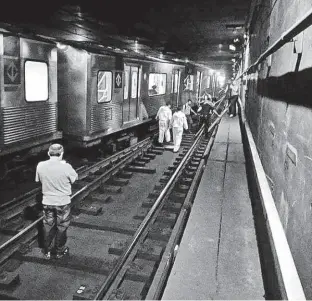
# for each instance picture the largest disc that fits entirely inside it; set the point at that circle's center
(231, 115)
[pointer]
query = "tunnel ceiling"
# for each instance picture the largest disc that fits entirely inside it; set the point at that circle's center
(196, 30)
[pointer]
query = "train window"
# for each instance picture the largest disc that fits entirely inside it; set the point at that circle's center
(36, 81)
(157, 83)
(104, 86)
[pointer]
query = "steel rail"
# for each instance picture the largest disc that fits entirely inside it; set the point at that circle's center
(86, 187)
(112, 276)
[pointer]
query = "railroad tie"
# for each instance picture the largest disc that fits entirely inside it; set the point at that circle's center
(172, 207)
(145, 159)
(125, 174)
(140, 169)
(150, 156)
(164, 179)
(98, 197)
(155, 152)
(146, 251)
(178, 197)
(116, 181)
(138, 163)
(90, 209)
(140, 270)
(110, 188)
(158, 148)
(159, 232)
(193, 163)
(168, 172)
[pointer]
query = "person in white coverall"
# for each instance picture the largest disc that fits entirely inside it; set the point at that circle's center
(178, 122)
(164, 116)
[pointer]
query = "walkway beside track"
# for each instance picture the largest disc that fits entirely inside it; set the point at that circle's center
(218, 255)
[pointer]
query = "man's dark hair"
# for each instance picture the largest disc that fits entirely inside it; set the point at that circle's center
(179, 108)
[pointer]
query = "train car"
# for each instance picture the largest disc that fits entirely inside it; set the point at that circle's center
(28, 85)
(100, 95)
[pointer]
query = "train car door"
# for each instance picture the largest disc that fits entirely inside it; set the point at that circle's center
(131, 93)
(175, 88)
(198, 84)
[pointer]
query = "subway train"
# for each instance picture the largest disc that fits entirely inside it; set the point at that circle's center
(81, 97)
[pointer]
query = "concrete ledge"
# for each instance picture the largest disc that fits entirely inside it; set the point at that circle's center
(285, 263)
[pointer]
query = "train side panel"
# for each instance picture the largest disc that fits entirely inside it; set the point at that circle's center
(28, 94)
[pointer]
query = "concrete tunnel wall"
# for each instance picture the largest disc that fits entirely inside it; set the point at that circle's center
(278, 107)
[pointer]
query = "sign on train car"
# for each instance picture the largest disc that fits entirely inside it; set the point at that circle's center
(12, 71)
(118, 80)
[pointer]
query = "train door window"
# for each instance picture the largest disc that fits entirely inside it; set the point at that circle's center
(140, 79)
(198, 83)
(134, 83)
(126, 86)
(104, 86)
(157, 84)
(36, 81)
(189, 83)
(176, 81)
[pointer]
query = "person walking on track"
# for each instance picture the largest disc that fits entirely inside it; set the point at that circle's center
(56, 177)
(164, 116)
(187, 110)
(233, 97)
(178, 123)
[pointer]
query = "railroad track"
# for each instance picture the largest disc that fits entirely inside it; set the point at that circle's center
(112, 260)
(20, 212)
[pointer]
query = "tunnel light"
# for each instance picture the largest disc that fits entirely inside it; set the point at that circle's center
(109, 47)
(232, 47)
(125, 50)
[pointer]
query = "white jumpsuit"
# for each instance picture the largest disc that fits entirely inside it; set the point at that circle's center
(164, 115)
(178, 123)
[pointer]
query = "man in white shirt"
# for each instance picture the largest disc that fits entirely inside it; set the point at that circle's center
(233, 90)
(178, 122)
(56, 177)
(164, 116)
(187, 109)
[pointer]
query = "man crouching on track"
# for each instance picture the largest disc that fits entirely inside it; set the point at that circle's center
(178, 123)
(56, 177)
(164, 116)
(205, 110)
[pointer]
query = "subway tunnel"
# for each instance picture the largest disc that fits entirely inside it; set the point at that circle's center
(263, 45)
